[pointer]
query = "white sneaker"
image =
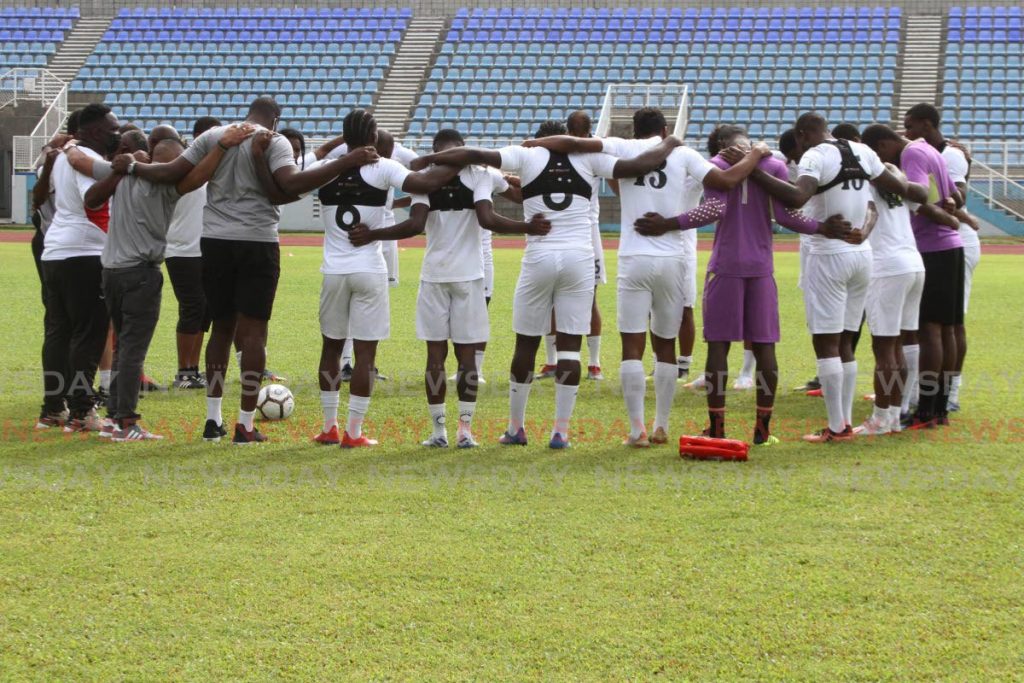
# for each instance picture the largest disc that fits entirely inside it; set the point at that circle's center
(107, 428)
(873, 427)
(743, 383)
(697, 385)
(466, 440)
(436, 442)
(455, 378)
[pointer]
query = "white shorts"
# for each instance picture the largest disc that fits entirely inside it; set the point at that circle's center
(835, 288)
(972, 255)
(452, 310)
(487, 252)
(355, 306)
(690, 288)
(561, 279)
(894, 304)
(652, 288)
(390, 249)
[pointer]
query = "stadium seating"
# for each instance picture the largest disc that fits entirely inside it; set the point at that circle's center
(172, 64)
(984, 71)
(503, 71)
(30, 35)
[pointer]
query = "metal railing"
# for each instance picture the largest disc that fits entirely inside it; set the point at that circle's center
(998, 189)
(34, 85)
(24, 84)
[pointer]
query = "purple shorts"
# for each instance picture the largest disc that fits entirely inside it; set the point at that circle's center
(741, 309)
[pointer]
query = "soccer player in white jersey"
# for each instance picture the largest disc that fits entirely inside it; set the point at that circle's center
(558, 268)
(451, 303)
(893, 302)
(354, 293)
(389, 149)
(834, 178)
(653, 271)
(923, 121)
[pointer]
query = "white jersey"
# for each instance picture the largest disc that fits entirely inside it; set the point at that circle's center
(959, 169)
(454, 251)
(662, 191)
(561, 188)
(358, 196)
(71, 233)
(401, 154)
(850, 199)
(892, 240)
(186, 227)
(693, 191)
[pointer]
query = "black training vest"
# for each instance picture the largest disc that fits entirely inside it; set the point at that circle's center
(454, 196)
(559, 177)
(850, 169)
(347, 192)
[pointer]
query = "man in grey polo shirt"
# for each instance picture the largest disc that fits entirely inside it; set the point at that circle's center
(140, 213)
(241, 254)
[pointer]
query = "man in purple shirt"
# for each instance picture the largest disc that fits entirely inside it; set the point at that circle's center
(740, 297)
(938, 239)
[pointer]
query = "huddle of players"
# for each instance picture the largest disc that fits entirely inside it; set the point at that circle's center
(250, 171)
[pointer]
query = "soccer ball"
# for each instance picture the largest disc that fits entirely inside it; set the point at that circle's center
(275, 402)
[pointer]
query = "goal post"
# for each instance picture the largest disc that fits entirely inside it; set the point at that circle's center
(622, 99)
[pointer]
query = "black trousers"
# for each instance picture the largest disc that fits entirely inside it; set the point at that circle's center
(133, 300)
(186, 274)
(76, 331)
(37, 254)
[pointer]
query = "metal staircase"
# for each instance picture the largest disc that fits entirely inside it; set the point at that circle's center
(408, 73)
(77, 46)
(922, 60)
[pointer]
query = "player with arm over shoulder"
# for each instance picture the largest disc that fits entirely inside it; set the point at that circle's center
(937, 234)
(740, 295)
(354, 293)
(451, 304)
(923, 121)
(558, 268)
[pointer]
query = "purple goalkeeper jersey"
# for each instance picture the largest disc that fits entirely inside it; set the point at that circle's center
(925, 166)
(743, 236)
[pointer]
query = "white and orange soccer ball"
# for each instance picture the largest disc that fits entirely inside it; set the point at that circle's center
(275, 402)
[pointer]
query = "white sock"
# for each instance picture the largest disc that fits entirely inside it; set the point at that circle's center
(912, 354)
(749, 364)
(684, 362)
(329, 402)
(894, 418)
(518, 395)
(665, 376)
(565, 403)
(549, 350)
(437, 419)
(830, 374)
(594, 350)
(479, 355)
(346, 353)
(245, 418)
(358, 406)
(954, 391)
(634, 384)
(881, 416)
(105, 380)
(466, 410)
(849, 390)
(213, 409)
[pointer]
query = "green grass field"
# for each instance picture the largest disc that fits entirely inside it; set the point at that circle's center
(894, 559)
